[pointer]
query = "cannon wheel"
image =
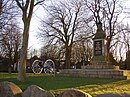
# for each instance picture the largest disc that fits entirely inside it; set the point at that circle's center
(49, 67)
(37, 66)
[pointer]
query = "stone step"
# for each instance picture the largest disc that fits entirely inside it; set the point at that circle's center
(100, 73)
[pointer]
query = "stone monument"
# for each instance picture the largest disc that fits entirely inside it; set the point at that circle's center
(100, 67)
(99, 59)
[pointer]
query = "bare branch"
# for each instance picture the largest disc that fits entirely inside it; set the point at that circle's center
(39, 2)
(18, 3)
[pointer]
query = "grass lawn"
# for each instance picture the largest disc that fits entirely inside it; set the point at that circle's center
(93, 86)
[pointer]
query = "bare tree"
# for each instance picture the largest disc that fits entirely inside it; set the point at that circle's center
(112, 13)
(10, 43)
(82, 50)
(8, 12)
(62, 25)
(27, 11)
(50, 51)
(32, 52)
(124, 43)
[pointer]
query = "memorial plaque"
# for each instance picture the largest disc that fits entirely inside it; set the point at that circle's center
(98, 48)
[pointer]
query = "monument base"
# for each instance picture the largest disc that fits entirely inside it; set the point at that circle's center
(96, 73)
(100, 65)
(100, 62)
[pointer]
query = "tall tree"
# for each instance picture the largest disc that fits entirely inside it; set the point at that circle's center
(27, 11)
(63, 23)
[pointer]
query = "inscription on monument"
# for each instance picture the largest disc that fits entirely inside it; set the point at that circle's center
(98, 47)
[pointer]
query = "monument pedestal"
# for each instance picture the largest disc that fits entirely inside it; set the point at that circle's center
(99, 60)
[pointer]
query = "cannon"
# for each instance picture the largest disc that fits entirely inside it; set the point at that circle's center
(48, 66)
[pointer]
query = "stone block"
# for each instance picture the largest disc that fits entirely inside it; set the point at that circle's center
(35, 91)
(74, 93)
(9, 89)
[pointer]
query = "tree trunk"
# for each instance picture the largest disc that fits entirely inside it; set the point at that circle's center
(108, 50)
(127, 60)
(1, 3)
(10, 61)
(9, 68)
(27, 11)
(23, 53)
(108, 45)
(67, 57)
